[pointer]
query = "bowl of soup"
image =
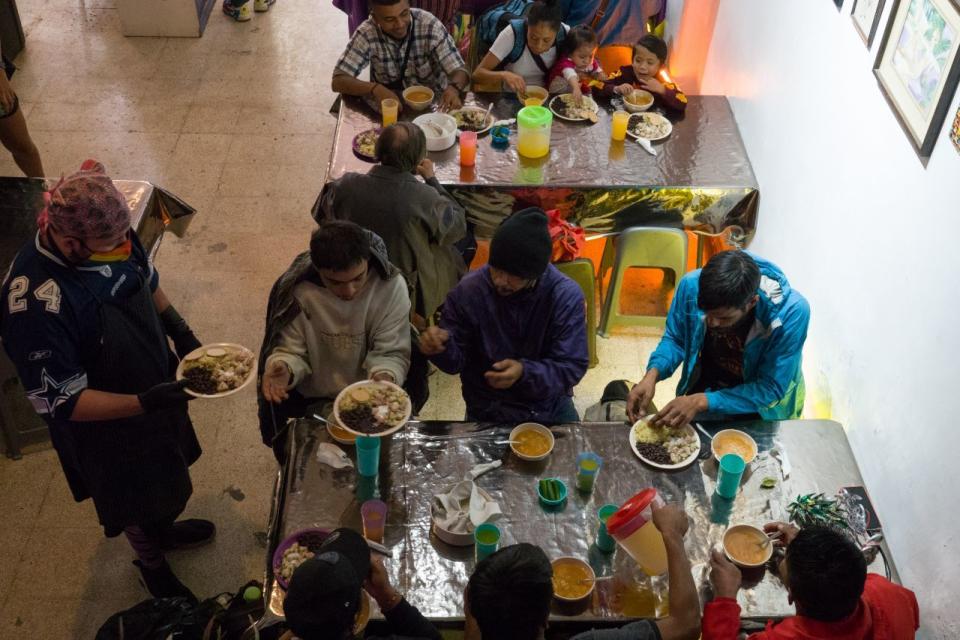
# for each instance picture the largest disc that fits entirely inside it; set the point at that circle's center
(535, 96)
(573, 579)
(638, 101)
(531, 441)
(733, 441)
(418, 97)
(747, 546)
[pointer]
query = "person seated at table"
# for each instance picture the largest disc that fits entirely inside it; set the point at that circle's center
(404, 47)
(738, 328)
(339, 314)
(649, 55)
(514, 330)
(421, 224)
(577, 70)
(826, 577)
(510, 592)
(525, 50)
(323, 601)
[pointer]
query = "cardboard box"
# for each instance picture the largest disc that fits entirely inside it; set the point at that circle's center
(169, 18)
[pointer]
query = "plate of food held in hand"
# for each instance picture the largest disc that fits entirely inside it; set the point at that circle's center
(665, 448)
(217, 370)
(472, 119)
(649, 125)
(372, 408)
(365, 144)
(565, 107)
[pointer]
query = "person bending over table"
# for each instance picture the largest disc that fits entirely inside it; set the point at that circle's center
(514, 330)
(525, 50)
(86, 325)
(510, 592)
(826, 578)
(738, 328)
(338, 315)
(404, 47)
(325, 594)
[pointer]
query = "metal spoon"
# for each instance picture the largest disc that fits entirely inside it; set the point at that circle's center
(486, 114)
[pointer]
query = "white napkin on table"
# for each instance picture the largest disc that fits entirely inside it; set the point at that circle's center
(330, 454)
(463, 508)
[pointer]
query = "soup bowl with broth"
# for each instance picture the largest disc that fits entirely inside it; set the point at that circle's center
(733, 441)
(531, 441)
(747, 546)
(418, 97)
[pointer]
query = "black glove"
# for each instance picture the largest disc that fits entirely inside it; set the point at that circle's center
(165, 395)
(179, 331)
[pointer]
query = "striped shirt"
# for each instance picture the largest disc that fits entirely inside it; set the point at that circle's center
(432, 58)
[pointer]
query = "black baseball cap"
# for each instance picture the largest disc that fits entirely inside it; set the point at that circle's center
(324, 593)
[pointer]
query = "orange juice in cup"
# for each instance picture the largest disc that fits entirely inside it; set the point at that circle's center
(618, 125)
(388, 109)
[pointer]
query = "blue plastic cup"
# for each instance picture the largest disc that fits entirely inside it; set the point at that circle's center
(588, 466)
(487, 539)
(605, 541)
(368, 455)
(729, 474)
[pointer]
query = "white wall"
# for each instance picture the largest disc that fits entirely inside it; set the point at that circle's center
(872, 238)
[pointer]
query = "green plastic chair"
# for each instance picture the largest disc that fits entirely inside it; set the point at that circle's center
(581, 272)
(645, 247)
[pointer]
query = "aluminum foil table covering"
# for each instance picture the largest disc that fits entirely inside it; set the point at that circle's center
(701, 177)
(427, 458)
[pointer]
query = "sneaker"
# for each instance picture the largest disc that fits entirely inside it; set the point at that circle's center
(262, 5)
(188, 534)
(240, 13)
(161, 583)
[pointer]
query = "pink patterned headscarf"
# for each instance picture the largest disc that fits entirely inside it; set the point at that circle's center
(85, 204)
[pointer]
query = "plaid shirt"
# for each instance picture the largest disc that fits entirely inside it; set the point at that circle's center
(433, 57)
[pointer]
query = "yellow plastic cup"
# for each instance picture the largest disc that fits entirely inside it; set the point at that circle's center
(388, 109)
(618, 125)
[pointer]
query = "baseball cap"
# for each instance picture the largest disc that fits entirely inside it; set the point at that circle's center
(324, 593)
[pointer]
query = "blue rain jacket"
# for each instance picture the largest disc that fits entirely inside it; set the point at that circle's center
(773, 378)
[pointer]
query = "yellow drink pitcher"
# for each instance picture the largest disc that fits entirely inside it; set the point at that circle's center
(533, 131)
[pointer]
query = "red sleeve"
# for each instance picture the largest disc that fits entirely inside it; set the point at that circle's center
(673, 98)
(721, 619)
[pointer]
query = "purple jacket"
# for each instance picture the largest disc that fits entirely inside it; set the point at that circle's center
(544, 328)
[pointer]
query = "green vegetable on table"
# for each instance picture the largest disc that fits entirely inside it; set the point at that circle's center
(768, 483)
(817, 509)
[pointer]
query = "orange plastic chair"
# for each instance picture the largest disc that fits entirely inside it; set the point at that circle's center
(614, 56)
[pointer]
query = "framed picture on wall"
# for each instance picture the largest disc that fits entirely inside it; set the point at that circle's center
(919, 64)
(866, 18)
(955, 131)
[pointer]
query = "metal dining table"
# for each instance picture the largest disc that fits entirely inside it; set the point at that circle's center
(428, 458)
(701, 177)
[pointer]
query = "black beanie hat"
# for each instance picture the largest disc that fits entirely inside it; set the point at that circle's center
(521, 245)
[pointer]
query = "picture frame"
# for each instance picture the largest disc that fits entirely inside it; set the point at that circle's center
(955, 131)
(866, 18)
(918, 66)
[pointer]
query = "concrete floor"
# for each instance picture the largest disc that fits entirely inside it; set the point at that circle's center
(237, 124)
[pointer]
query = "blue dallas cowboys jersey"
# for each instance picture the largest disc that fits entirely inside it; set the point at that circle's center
(50, 324)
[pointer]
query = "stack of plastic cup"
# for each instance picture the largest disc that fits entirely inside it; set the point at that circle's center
(729, 473)
(588, 466)
(368, 455)
(373, 514)
(487, 538)
(605, 541)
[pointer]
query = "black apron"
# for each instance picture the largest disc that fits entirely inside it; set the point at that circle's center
(135, 469)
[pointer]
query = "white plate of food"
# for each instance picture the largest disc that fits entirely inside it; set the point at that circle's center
(471, 119)
(565, 108)
(217, 370)
(649, 125)
(372, 408)
(667, 449)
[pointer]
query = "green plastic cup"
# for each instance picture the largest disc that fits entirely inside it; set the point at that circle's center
(487, 539)
(605, 541)
(588, 466)
(729, 474)
(368, 455)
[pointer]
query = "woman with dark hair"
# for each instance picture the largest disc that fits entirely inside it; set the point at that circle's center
(525, 50)
(13, 127)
